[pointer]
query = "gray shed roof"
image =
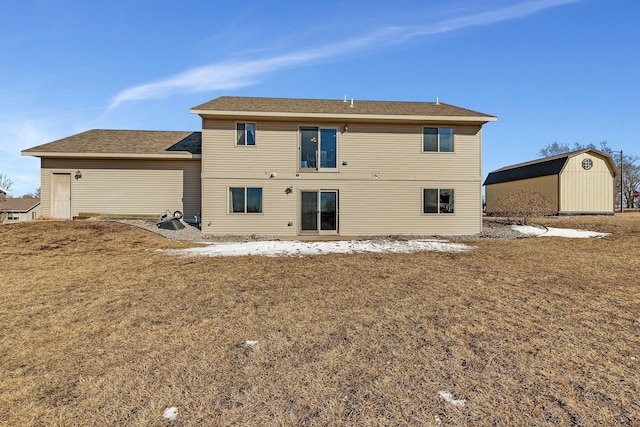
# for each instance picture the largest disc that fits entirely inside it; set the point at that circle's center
(540, 167)
(122, 143)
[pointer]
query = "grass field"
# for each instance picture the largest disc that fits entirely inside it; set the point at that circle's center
(99, 328)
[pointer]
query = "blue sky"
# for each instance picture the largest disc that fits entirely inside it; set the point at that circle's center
(551, 70)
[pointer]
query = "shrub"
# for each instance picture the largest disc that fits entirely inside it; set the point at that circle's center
(522, 206)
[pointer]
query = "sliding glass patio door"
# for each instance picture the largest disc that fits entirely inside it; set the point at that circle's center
(319, 211)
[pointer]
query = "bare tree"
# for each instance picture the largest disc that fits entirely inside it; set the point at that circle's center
(35, 194)
(5, 181)
(631, 181)
(522, 206)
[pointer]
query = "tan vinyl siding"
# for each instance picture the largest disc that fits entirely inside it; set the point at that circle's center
(45, 190)
(126, 187)
(371, 207)
(587, 190)
(24, 216)
(380, 186)
(278, 209)
(393, 151)
(548, 185)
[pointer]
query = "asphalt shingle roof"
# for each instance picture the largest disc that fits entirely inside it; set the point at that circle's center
(100, 141)
(336, 106)
(533, 170)
(18, 204)
(541, 167)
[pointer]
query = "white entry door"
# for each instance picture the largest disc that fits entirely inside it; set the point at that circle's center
(61, 195)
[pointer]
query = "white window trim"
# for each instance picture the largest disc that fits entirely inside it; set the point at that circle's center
(235, 130)
(455, 210)
(245, 201)
(318, 169)
(453, 128)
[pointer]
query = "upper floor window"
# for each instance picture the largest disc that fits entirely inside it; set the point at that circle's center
(437, 201)
(245, 200)
(437, 140)
(245, 134)
(318, 148)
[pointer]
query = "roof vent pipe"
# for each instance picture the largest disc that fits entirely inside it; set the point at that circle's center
(437, 101)
(345, 99)
(351, 106)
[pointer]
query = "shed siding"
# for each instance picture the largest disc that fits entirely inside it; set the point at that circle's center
(381, 171)
(584, 191)
(548, 185)
(126, 187)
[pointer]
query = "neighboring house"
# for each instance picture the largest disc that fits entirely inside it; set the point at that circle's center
(579, 182)
(3, 192)
(287, 167)
(19, 209)
(120, 172)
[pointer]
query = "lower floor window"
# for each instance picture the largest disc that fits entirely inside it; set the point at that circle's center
(437, 200)
(245, 200)
(13, 216)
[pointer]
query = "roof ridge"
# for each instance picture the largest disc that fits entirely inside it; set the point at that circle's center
(550, 158)
(328, 107)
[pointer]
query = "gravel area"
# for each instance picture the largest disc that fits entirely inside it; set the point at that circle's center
(492, 229)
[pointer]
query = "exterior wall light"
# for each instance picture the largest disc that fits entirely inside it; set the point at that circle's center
(78, 174)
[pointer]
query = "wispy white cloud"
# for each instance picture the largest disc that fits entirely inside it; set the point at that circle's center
(233, 74)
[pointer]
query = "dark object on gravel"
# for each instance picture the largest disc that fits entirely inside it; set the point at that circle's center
(171, 224)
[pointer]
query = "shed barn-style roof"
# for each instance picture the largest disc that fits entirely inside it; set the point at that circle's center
(541, 167)
(18, 204)
(123, 144)
(338, 109)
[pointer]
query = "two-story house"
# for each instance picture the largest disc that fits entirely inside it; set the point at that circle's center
(286, 167)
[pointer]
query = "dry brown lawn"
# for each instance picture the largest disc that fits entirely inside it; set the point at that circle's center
(99, 328)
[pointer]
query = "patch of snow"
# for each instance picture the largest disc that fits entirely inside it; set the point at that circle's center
(251, 343)
(449, 398)
(171, 413)
(438, 420)
(298, 248)
(556, 232)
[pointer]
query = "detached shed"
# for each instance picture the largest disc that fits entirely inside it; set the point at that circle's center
(578, 183)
